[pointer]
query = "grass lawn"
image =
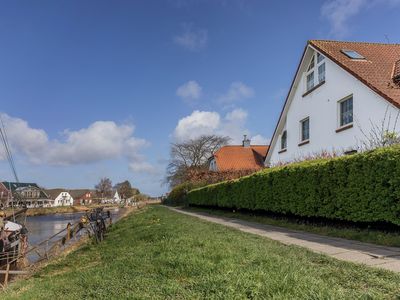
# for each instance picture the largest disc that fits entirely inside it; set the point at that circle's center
(373, 236)
(160, 254)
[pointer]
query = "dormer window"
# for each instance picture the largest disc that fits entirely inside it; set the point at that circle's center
(316, 66)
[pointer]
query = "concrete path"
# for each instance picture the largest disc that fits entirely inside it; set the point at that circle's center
(369, 254)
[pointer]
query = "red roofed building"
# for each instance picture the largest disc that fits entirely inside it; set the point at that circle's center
(239, 157)
(342, 95)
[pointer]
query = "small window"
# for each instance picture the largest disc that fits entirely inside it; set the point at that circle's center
(321, 73)
(310, 81)
(320, 58)
(312, 64)
(305, 129)
(284, 140)
(352, 54)
(346, 111)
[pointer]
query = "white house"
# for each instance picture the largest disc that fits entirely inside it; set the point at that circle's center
(61, 197)
(116, 198)
(341, 93)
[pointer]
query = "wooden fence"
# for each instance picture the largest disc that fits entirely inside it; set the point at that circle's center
(44, 250)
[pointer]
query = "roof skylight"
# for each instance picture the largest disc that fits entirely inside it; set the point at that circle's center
(352, 54)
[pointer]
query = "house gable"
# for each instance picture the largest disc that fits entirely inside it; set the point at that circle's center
(322, 104)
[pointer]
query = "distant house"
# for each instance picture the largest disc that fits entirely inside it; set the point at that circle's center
(60, 197)
(116, 198)
(23, 194)
(342, 95)
(82, 196)
(239, 157)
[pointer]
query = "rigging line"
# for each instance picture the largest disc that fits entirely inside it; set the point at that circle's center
(5, 147)
(13, 169)
(11, 159)
(12, 200)
(3, 138)
(8, 149)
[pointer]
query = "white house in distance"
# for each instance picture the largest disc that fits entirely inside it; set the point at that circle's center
(340, 93)
(60, 197)
(116, 198)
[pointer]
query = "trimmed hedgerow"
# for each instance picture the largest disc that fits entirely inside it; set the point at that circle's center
(177, 196)
(363, 187)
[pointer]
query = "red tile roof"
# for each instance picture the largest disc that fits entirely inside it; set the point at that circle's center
(240, 158)
(378, 69)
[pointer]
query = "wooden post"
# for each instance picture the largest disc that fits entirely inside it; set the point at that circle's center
(68, 231)
(6, 275)
(46, 249)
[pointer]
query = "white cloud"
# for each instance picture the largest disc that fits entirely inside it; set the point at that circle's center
(197, 124)
(191, 38)
(236, 92)
(189, 91)
(237, 115)
(233, 124)
(339, 12)
(102, 140)
(260, 140)
(142, 167)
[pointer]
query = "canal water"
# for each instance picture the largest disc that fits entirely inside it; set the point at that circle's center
(41, 228)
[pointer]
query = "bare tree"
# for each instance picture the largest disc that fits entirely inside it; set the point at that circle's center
(125, 189)
(192, 154)
(383, 134)
(104, 187)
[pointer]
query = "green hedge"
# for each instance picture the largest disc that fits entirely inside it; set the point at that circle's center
(361, 188)
(177, 196)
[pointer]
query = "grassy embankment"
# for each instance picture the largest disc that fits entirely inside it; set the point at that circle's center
(367, 235)
(159, 254)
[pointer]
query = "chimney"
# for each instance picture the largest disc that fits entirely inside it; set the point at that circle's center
(246, 141)
(396, 72)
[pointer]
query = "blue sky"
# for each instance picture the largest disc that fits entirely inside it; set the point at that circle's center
(101, 88)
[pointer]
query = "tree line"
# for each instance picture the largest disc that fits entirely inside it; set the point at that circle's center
(105, 189)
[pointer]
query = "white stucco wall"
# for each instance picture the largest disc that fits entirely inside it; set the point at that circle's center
(64, 199)
(321, 106)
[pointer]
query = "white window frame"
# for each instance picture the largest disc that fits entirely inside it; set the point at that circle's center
(314, 70)
(301, 130)
(339, 112)
(280, 145)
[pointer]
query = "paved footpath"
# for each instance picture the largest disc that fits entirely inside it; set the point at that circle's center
(369, 254)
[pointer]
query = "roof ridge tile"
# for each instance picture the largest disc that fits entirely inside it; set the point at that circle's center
(356, 42)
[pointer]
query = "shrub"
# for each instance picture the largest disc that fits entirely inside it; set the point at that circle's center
(177, 196)
(363, 187)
